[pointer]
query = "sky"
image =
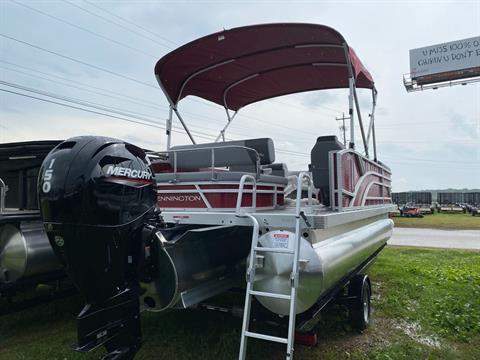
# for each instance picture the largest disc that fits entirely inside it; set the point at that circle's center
(103, 53)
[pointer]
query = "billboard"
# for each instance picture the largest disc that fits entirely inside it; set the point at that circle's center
(444, 62)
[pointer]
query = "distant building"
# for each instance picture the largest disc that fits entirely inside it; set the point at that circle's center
(442, 197)
(417, 197)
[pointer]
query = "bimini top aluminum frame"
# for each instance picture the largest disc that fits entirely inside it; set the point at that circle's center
(237, 67)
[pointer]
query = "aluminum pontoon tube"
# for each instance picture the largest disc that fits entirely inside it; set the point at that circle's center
(322, 265)
(197, 264)
(25, 251)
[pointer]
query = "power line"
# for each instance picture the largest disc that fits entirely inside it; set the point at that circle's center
(303, 108)
(83, 63)
(134, 100)
(286, 152)
(298, 96)
(146, 123)
(102, 107)
(79, 108)
(130, 98)
(134, 80)
(415, 124)
(117, 24)
(436, 166)
(394, 161)
(127, 98)
(78, 61)
(85, 88)
(423, 142)
(435, 161)
(74, 100)
(296, 140)
(153, 104)
(86, 30)
(241, 115)
(105, 95)
(79, 102)
(131, 22)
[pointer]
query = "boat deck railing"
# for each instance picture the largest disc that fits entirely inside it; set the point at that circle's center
(365, 167)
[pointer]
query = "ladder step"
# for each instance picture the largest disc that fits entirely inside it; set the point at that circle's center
(271, 295)
(266, 337)
(276, 250)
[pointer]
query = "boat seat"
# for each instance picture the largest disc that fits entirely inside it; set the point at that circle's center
(319, 166)
(277, 169)
(236, 158)
(233, 176)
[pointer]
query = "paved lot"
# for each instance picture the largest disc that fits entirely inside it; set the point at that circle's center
(450, 239)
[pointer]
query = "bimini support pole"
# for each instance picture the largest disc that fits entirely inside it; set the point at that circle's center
(173, 106)
(225, 106)
(374, 144)
(350, 114)
(169, 127)
(374, 140)
(175, 110)
(351, 86)
(371, 126)
(353, 95)
(229, 121)
(360, 122)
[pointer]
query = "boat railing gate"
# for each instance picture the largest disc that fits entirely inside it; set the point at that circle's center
(240, 193)
(300, 177)
(298, 200)
(336, 179)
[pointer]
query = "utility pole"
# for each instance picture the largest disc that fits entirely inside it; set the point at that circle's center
(343, 127)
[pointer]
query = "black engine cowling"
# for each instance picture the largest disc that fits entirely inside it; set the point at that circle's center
(95, 195)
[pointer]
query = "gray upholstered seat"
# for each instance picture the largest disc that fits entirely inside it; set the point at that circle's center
(278, 169)
(238, 156)
(234, 154)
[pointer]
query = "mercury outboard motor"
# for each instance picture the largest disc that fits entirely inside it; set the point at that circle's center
(95, 196)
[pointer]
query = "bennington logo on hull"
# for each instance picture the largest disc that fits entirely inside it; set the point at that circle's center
(182, 198)
(131, 173)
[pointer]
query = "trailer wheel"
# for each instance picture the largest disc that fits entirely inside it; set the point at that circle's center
(359, 309)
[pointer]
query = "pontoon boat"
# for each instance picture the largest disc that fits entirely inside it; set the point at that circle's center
(227, 207)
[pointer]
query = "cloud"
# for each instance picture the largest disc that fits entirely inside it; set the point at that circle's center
(314, 100)
(462, 125)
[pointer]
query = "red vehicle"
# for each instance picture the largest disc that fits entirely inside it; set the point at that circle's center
(410, 211)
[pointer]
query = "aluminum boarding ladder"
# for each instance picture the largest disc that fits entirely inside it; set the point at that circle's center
(294, 279)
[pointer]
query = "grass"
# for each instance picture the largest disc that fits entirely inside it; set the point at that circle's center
(440, 221)
(426, 303)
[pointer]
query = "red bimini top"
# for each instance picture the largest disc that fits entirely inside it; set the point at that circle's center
(237, 67)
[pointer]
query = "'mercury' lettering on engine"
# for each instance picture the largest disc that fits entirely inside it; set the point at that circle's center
(181, 198)
(130, 173)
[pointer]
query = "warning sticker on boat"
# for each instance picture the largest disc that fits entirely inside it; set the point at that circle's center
(280, 240)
